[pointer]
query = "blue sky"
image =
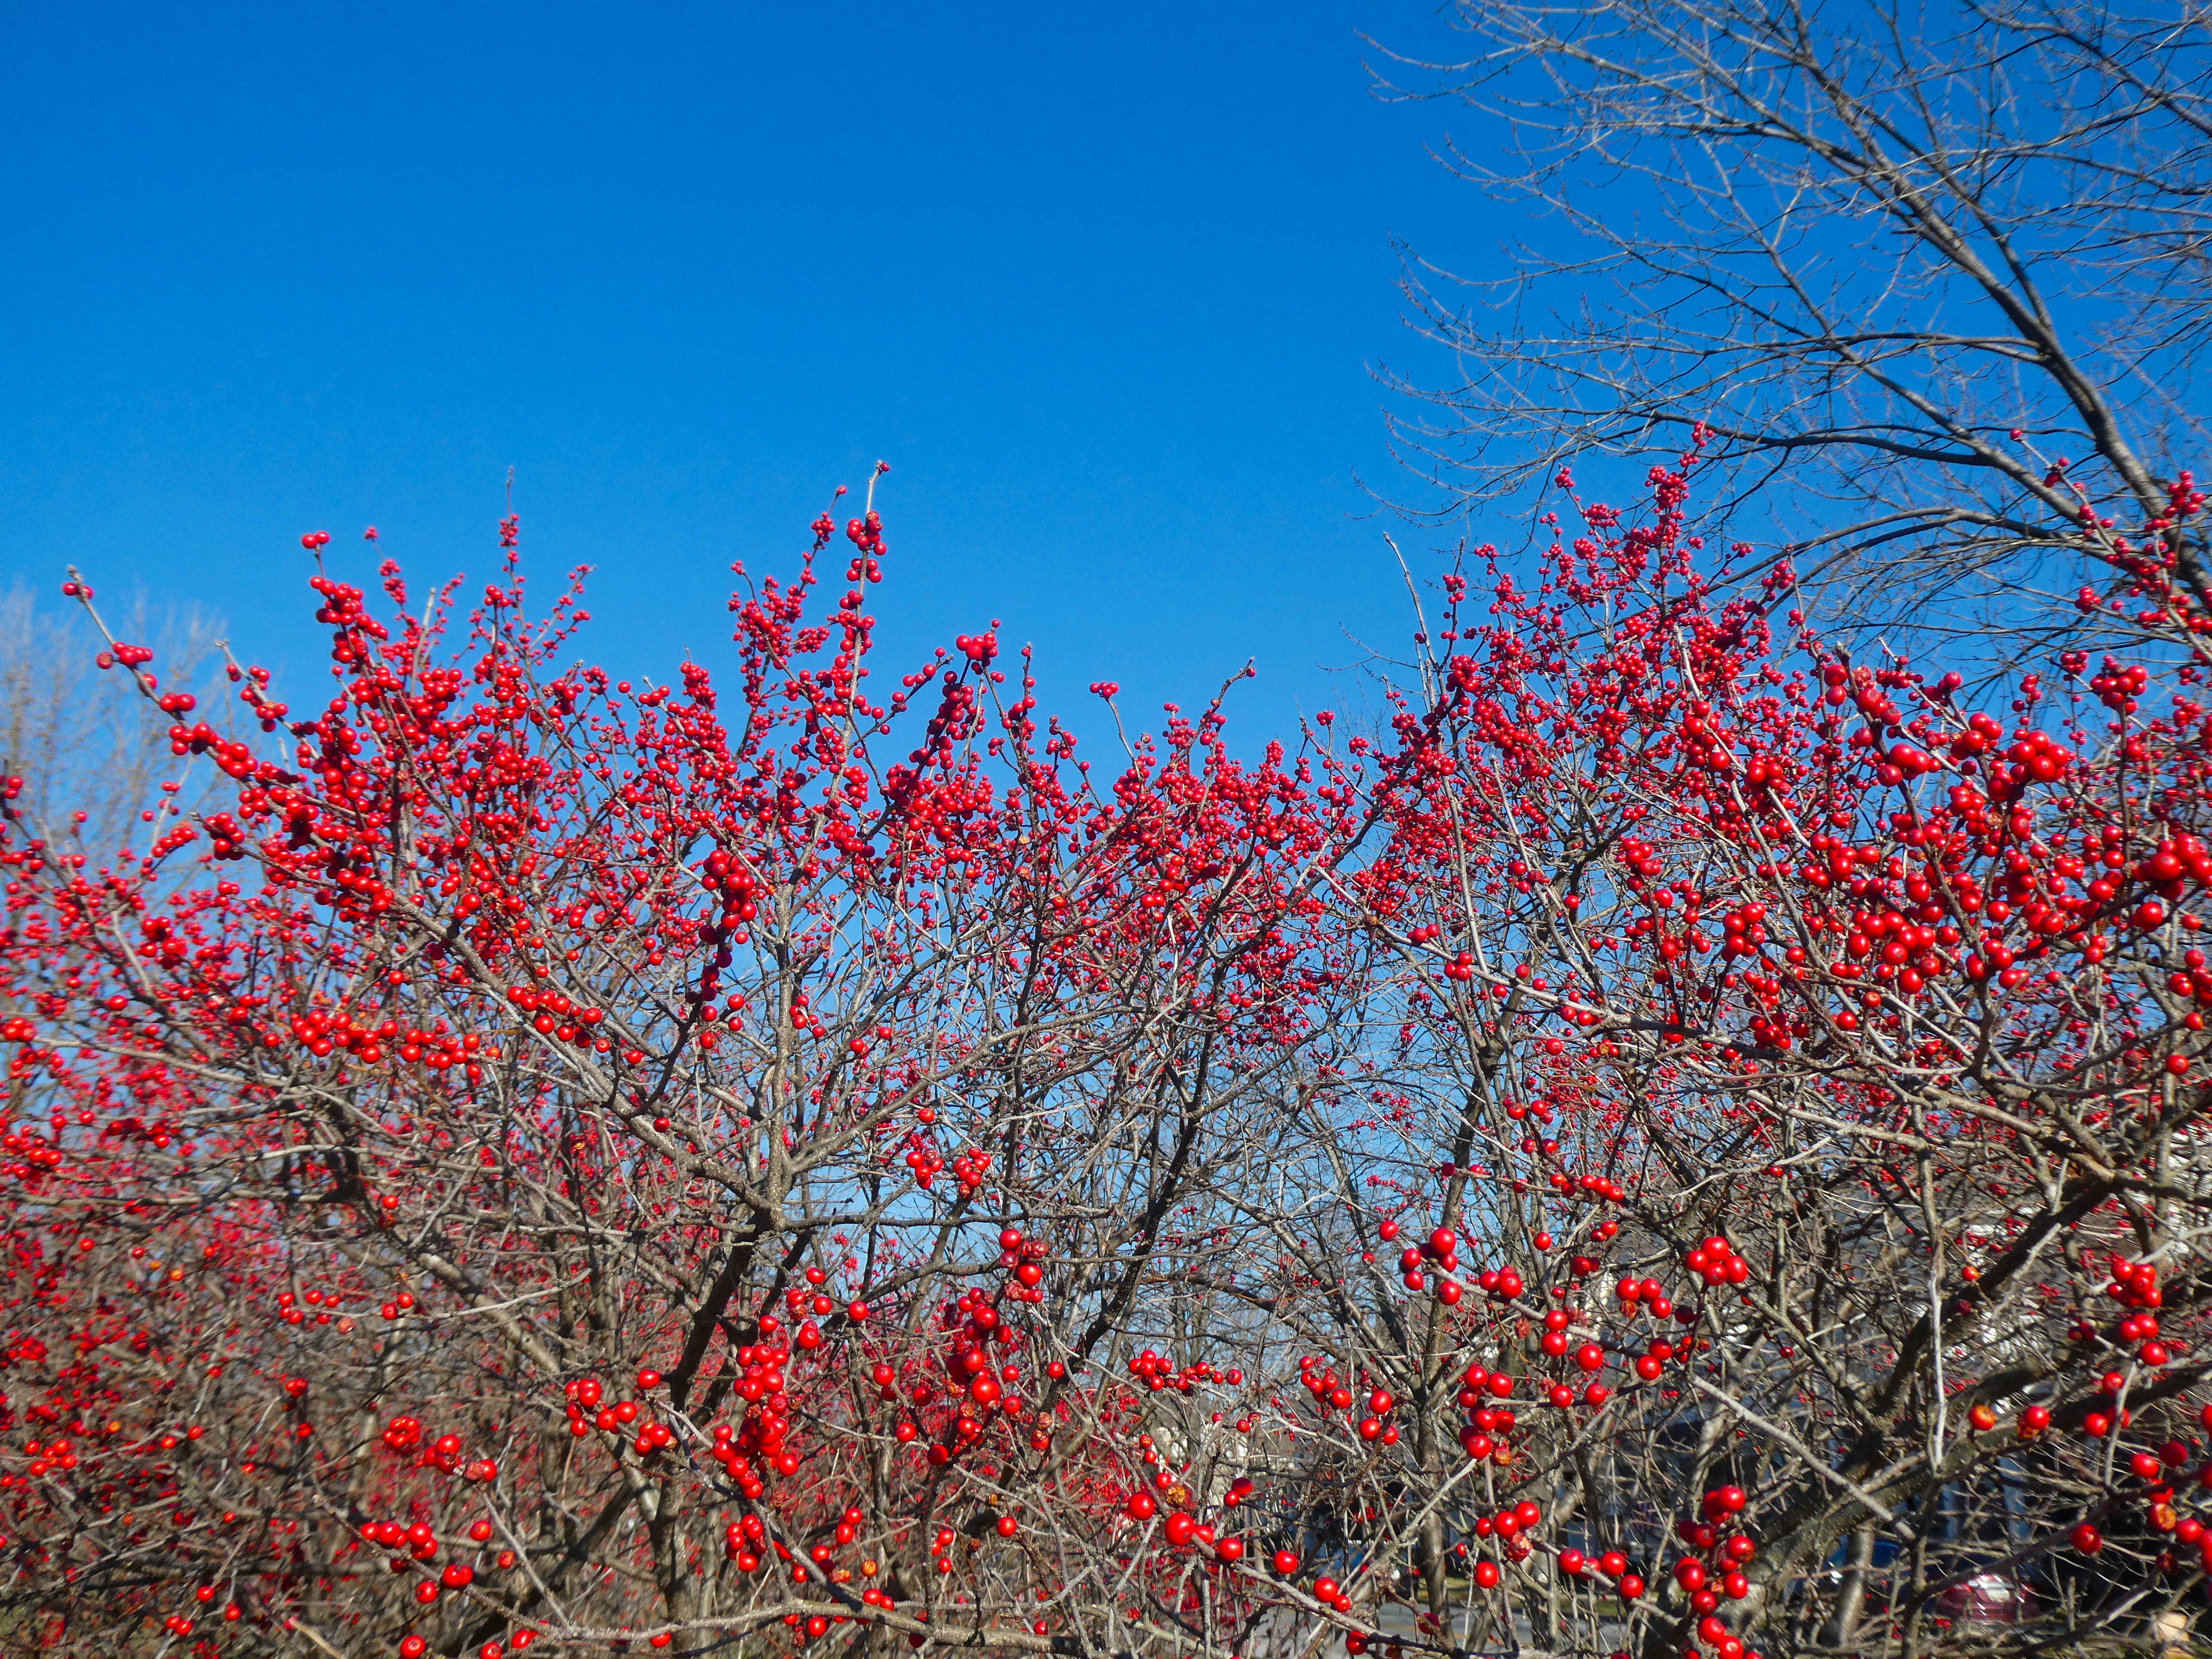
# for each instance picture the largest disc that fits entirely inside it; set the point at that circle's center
(1104, 285)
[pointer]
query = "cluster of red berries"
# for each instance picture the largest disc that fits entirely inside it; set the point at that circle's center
(1716, 1570)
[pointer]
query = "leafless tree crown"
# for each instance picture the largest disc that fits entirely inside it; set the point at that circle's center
(1934, 277)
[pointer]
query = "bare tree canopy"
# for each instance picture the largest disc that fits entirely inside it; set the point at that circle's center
(1933, 278)
(92, 769)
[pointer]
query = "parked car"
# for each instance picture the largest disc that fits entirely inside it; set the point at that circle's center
(1986, 1599)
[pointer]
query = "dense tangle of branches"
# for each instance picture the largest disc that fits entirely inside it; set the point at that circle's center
(1675, 1138)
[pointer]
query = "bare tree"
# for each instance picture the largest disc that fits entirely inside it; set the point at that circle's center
(92, 766)
(1933, 279)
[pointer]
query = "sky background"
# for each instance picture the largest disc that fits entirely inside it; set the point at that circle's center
(1105, 285)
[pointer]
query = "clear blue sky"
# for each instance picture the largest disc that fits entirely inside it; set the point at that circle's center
(1102, 283)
